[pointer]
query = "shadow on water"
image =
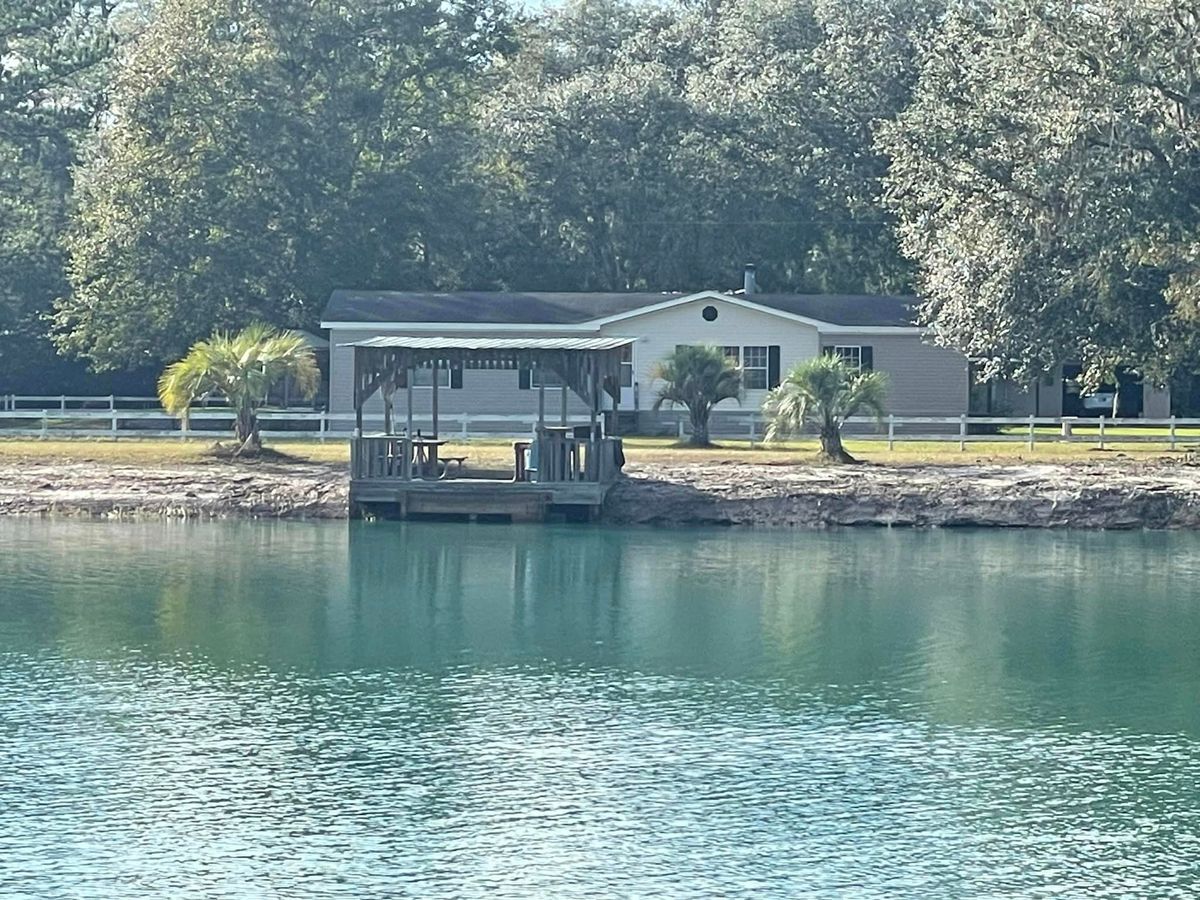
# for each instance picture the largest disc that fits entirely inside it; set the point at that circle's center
(962, 626)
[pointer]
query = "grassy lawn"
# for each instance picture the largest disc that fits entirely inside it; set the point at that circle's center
(497, 452)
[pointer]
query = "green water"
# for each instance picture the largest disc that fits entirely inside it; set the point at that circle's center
(254, 710)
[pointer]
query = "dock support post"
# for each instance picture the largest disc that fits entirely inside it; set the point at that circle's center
(437, 368)
(408, 381)
(563, 392)
(541, 400)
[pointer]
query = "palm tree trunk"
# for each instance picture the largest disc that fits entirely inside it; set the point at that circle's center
(245, 430)
(831, 445)
(699, 429)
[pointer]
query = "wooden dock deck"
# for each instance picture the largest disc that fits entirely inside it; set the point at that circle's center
(474, 498)
(385, 482)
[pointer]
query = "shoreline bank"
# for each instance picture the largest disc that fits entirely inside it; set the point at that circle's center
(1108, 495)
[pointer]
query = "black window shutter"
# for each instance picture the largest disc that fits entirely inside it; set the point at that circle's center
(866, 356)
(773, 366)
(456, 376)
(524, 380)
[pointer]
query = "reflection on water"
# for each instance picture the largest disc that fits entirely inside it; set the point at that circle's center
(444, 710)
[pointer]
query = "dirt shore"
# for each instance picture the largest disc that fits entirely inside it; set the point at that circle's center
(1113, 494)
(1102, 495)
(208, 490)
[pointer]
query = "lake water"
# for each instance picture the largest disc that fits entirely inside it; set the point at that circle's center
(437, 711)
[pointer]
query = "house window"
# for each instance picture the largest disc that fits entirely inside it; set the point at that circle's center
(754, 368)
(856, 358)
(627, 366)
(546, 378)
(423, 376)
(733, 353)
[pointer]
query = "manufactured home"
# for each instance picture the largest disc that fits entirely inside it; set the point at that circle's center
(765, 333)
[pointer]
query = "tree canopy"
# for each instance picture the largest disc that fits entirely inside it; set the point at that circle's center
(1045, 175)
(1027, 167)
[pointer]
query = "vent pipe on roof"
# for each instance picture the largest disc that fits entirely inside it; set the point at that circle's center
(749, 282)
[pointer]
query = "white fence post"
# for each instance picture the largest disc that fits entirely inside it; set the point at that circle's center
(1031, 433)
(114, 423)
(752, 430)
(62, 403)
(183, 427)
(1102, 432)
(681, 429)
(962, 433)
(45, 424)
(323, 426)
(465, 424)
(1172, 432)
(891, 431)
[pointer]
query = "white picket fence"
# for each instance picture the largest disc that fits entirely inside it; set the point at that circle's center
(276, 423)
(141, 417)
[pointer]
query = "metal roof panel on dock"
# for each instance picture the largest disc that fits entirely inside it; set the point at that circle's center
(421, 342)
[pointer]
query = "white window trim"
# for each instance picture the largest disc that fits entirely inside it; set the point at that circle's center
(765, 368)
(857, 348)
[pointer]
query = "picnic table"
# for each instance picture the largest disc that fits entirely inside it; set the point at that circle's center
(425, 456)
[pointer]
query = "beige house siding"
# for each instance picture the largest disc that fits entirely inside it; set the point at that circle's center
(484, 392)
(923, 379)
(658, 333)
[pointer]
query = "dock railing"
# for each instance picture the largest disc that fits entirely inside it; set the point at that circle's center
(561, 458)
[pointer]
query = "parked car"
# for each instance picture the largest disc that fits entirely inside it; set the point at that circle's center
(1099, 402)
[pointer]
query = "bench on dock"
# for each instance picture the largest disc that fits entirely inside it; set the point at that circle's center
(458, 461)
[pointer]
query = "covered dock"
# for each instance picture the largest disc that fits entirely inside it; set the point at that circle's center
(557, 469)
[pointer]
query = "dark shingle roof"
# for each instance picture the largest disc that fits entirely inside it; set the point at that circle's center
(507, 308)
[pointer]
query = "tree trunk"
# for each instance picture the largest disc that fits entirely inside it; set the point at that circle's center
(245, 430)
(831, 445)
(699, 429)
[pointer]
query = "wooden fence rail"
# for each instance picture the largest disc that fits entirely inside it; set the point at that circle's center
(116, 421)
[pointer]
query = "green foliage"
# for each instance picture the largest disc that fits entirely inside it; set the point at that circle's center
(823, 393)
(697, 378)
(53, 55)
(661, 147)
(242, 368)
(1047, 176)
(262, 153)
(1037, 161)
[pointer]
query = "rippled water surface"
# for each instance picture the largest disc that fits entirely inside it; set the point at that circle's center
(251, 710)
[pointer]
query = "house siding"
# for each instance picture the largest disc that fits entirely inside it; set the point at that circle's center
(923, 379)
(658, 333)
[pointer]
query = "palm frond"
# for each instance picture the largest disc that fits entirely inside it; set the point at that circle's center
(822, 392)
(242, 367)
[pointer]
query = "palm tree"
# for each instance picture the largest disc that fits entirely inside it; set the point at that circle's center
(242, 368)
(823, 392)
(698, 378)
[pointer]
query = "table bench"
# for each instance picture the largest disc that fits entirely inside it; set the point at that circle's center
(459, 462)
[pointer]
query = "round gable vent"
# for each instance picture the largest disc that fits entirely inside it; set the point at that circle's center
(709, 313)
